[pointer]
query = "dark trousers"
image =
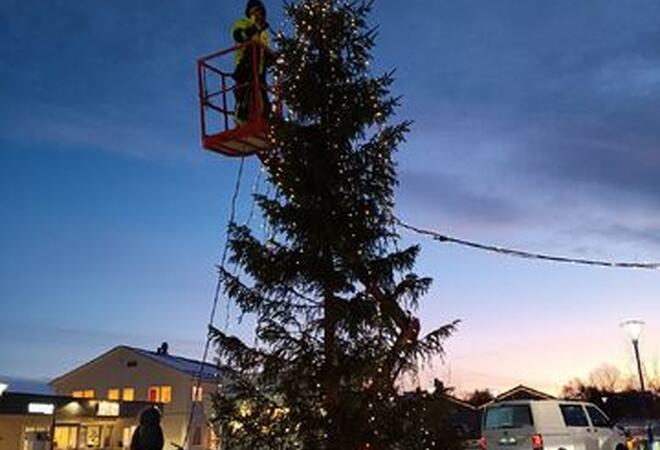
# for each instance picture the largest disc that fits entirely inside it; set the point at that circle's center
(247, 103)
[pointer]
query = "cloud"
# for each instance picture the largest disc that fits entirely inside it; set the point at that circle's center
(129, 133)
(447, 196)
(605, 162)
(570, 182)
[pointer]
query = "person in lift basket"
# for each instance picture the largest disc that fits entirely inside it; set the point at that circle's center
(251, 29)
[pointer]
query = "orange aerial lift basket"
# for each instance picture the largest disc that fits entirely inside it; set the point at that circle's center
(217, 103)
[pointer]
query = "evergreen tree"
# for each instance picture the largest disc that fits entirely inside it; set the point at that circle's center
(331, 291)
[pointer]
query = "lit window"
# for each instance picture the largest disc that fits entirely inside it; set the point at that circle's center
(166, 394)
(128, 394)
(113, 394)
(89, 393)
(197, 393)
(153, 394)
(93, 436)
(127, 434)
(66, 437)
(77, 394)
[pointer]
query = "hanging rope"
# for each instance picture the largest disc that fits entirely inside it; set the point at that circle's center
(216, 297)
(255, 190)
(253, 193)
(527, 255)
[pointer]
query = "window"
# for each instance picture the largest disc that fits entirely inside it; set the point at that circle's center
(508, 416)
(127, 435)
(93, 436)
(197, 436)
(39, 434)
(153, 394)
(598, 419)
(107, 436)
(113, 394)
(197, 393)
(574, 415)
(86, 393)
(166, 394)
(66, 437)
(162, 394)
(128, 394)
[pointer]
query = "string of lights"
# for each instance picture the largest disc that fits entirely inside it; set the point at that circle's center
(525, 254)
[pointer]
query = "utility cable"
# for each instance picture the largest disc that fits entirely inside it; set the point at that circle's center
(525, 254)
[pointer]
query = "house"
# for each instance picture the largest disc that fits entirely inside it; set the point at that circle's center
(464, 417)
(37, 421)
(132, 374)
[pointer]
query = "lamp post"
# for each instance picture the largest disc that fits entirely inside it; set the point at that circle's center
(634, 330)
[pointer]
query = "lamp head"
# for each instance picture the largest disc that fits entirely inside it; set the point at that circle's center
(633, 328)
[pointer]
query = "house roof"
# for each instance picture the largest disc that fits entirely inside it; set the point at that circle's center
(26, 385)
(179, 363)
(191, 367)
(521, 391)
(460, 402)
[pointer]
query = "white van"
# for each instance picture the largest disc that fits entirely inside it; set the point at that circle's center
(548, 425)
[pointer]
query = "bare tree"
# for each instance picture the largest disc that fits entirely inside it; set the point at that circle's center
(574, 389)
(606, 377)
(654, 375)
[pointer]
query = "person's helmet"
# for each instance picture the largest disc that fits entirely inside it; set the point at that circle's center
(255, 4)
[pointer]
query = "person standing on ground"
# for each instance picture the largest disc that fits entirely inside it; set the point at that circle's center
(148, 435)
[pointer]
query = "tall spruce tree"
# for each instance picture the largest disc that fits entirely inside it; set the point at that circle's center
(331, 291)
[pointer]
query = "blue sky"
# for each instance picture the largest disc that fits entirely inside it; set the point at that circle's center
(536, 125)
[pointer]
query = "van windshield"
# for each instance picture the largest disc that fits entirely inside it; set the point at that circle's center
(508, 416)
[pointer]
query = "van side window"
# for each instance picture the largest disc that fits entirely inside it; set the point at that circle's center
(574, 415)
(598, 419)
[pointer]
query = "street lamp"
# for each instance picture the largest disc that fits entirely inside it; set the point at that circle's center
(634, 330)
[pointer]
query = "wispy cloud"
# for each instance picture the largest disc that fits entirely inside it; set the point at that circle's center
(127, 133)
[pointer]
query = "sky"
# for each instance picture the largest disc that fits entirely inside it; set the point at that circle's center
(536, 126)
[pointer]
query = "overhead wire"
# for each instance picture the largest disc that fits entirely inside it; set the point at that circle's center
(526, 254)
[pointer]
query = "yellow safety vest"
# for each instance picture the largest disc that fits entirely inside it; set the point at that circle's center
(260, 37)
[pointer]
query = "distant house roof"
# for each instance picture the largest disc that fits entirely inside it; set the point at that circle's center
(521, 392)
(179, 363)
(18, 385)
(459, 402)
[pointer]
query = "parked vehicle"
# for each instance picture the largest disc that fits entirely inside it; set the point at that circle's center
(548, 425)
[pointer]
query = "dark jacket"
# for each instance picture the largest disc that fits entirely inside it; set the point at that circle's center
(148, 435)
